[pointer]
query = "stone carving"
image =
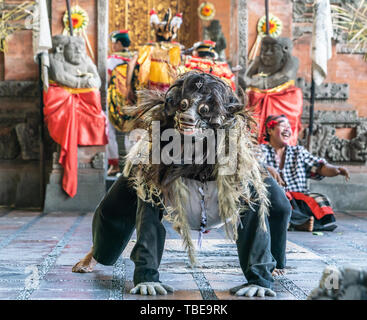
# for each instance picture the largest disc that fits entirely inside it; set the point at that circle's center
(55, 161)
(326, 91)
(303, 13)
(214, 33)
(28, 137)
(341, 284)
(69, 64)
(18, 88)
(275, 65)
(327, 145)
(299, 31)
(9, 146)
(303, 9)
(69, 110)
(98, 161)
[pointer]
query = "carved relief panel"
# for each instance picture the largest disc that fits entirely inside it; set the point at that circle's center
(325, 142)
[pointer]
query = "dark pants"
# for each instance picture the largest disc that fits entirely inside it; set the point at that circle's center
(115, 218)
(279, 216)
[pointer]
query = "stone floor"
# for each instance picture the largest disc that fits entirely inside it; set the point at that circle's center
(38, 250)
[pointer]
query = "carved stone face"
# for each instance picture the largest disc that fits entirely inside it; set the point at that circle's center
(271, 53)
(74, 51)
(215, 28)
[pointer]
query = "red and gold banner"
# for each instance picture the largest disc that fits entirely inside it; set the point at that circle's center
(74, 117)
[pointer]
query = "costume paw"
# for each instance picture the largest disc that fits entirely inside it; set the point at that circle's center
(151, 288)
(252, 290)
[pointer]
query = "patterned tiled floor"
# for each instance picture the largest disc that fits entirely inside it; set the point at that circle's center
(38, 250)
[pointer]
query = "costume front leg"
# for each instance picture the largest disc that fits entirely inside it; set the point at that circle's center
(114, 222)
(148, 250)
(279, 215)
(256, 260)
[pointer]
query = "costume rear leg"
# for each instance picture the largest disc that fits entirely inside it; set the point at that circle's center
(113, 225)
(256, 260)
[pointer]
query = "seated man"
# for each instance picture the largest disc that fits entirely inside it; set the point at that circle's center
(270, 81)
(292, 165)
(73, 110)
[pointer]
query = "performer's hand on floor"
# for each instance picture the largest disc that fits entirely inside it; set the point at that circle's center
(252, 290)
(151, 288)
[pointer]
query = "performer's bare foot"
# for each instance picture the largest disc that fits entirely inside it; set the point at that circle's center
(307, 226)
(85, 265)
(278, 272)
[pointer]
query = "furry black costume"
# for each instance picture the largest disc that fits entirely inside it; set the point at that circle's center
(195, 102)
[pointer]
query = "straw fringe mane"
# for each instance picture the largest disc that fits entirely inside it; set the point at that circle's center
(240, 183)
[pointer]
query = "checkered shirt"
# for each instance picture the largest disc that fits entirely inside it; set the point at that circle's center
(299, 165)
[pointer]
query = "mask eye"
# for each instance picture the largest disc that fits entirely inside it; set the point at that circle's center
(184, 104)
(203, 109)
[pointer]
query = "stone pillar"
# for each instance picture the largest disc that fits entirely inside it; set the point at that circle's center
(102, 48)
(242, 33)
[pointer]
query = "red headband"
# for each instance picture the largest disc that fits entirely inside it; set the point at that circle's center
(271, 124)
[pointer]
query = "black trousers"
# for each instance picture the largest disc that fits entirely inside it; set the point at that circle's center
(119, 212)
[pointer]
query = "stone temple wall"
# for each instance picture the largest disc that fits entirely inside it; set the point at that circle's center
(21, 169)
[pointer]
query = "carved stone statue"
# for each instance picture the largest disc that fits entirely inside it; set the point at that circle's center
(271, 85)
(73, 111)
(341, 284)
(275, 65)
(70, 65)
(214, 33)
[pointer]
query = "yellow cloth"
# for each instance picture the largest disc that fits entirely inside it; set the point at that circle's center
(118, 114)
(158, 63)
(272, 90)
(73, 90)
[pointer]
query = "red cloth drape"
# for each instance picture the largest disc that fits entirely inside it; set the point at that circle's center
(74, 117)
(318, 211)
(288, 101)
